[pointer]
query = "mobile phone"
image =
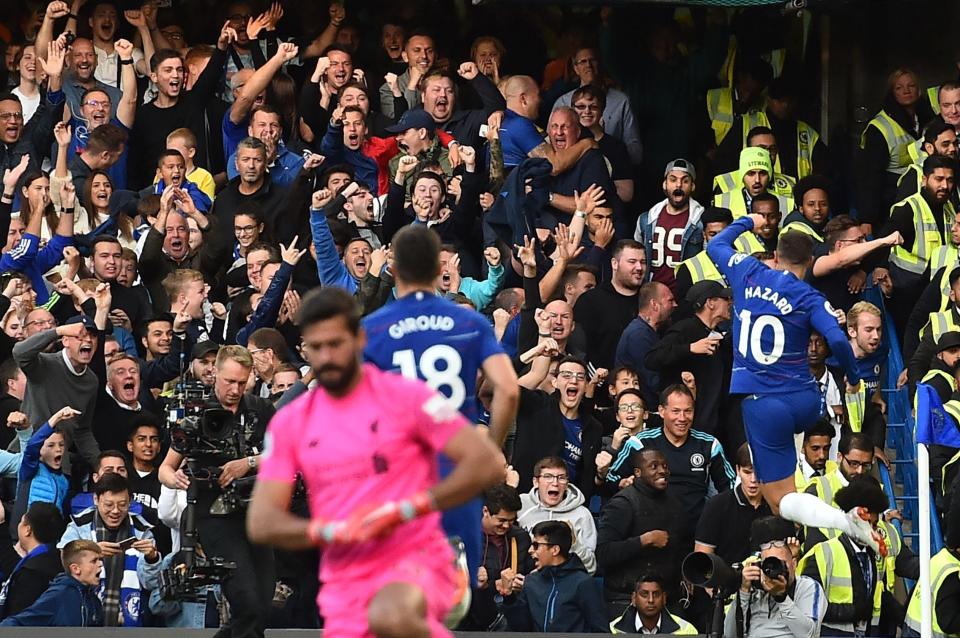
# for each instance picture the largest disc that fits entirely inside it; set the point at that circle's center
(127, 543)
(483, 130)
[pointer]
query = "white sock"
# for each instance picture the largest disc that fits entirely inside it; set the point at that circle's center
(810, 511)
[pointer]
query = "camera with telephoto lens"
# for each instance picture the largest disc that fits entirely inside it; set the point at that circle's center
(774, 568)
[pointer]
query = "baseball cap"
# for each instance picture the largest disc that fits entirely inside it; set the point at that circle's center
(949, 339)
(203, 348)
(683, 165)
(708, 289)
(87, 322)
(755, 158)
(414, 118)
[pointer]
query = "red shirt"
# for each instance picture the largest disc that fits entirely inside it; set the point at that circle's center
(667, 242)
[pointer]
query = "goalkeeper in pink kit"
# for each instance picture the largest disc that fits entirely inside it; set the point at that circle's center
(366, 443)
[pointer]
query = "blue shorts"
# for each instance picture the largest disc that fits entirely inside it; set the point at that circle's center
(771, 421)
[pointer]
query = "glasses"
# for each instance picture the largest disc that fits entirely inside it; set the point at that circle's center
(586, 107)
(537, 545)
(566, 374)
(856, 240)
(630, 407)
(555, 478)
(585, 61)
(41, 322)
(12, 115)
(97, 103)
(856, 465)
(244, 230)
(772, 544)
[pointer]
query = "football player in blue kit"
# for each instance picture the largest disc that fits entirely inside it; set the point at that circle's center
(422, 335)
(774, 313)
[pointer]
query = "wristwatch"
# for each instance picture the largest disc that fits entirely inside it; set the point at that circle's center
(252, 462)
(580, 214)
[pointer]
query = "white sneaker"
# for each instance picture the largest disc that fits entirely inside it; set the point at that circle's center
(860, 530)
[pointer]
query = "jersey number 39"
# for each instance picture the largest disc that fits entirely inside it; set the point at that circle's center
(751, 332)
(439, 366)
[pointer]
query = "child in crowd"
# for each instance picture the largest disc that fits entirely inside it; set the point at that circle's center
(41, 476)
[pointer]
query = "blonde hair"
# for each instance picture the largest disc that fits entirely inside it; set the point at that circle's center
(859, 308)
(185, 135)
(175, 282)
(70, 555)
(234, 353)
(899, 72)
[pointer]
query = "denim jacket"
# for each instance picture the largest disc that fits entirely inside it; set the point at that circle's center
(690, 244)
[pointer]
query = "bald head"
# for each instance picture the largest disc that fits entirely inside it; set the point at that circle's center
(240, 78)
(522, 95)
(560, 315)
(563, 129)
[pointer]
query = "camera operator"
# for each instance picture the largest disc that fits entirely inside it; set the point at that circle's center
(250, 586)
(773, 600)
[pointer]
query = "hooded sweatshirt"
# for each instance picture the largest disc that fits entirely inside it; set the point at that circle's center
(571, 510)
(66, 603)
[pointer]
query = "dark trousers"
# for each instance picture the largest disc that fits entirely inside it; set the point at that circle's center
(250, 587)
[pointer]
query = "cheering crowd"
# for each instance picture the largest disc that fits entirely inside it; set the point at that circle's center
(178, 176)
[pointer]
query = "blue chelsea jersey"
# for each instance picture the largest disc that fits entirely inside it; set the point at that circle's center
(773, 316)
(427, 337)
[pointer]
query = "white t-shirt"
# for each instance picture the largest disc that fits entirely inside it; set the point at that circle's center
(30, 104)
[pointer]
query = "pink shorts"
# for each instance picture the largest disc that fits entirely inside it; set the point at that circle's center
(343, 604)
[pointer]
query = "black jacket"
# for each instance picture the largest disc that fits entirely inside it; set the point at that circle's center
(635, 510)
(464, 125)
(540, 433)
(514, 550)
(32, 579)
(671, 356)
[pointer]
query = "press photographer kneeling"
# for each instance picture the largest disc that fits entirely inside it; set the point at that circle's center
(772, 599)
(213, 451)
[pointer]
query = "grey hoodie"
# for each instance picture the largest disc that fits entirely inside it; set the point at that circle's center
(571, 510)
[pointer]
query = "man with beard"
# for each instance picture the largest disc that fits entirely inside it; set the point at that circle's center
(61, 379)
(754, 177)
(447, 352)
(671, 231)
(939, 138)
(418, 53)
(439, 97)
(929, 210)
(815, 461)
(282, 164)
(203, 360)
(386, 567)
(250, 588)
(762, 239)
(812, 197)
(606, 310)
(174, 106)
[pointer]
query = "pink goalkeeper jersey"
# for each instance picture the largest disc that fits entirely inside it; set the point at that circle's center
(375, 445)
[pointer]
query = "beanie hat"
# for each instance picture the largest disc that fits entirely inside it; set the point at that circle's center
(755, 158)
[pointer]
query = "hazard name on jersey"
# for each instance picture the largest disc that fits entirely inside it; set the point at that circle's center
(768, 294)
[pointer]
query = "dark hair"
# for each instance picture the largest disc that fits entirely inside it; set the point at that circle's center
(49, 212)
(650, 576)
(548, 461)
(416, 255)
(334, 48)
(857, 441)
(45, 521)
(862, 491)
(8, 370)
(354, 109)
(273, 339)
(336, 168)
(624, 244)
(557, 533)
(104, 239)
(743, 458)
(620, 369)
(807, 184)
(758, 130)
(353, 84)
(765, 197)
(571, 359)
(169, 152)
(571, 272)
(716, 215)
(144, 422)
(675, 388)
(837, 227)
(588, 90)
(106, 138)
(770, 528)
(626, 392)
(438, 178)
(934, 162)
(10, 97)
(506, 299)
(163, 54)
(763, 255)
(501, 497)
(96, 89)
(86, 198)
(262, 245)
(755, 67)
(327, 303)
(111, 482)
(108, 454)
(794, 247)
(934, 129)
(821, 428)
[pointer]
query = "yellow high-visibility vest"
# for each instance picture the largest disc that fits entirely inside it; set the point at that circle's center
(940, 322)
(897, 139)
(801, 481)
(736, 204)
(748, 244)
(941, 565)
(933, 96)
(801, 227)
(927, 239)
(779, 185)
(701, 268)
(720, 111)
(833, 566)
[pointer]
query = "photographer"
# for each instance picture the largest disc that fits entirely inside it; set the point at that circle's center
(773, 600)
(220, 524)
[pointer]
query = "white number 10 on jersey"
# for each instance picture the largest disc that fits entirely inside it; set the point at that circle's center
(751, 332)
(445, 379)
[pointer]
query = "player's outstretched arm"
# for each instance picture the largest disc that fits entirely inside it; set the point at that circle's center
(720, 248)
(269, 520)
(479, 464)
